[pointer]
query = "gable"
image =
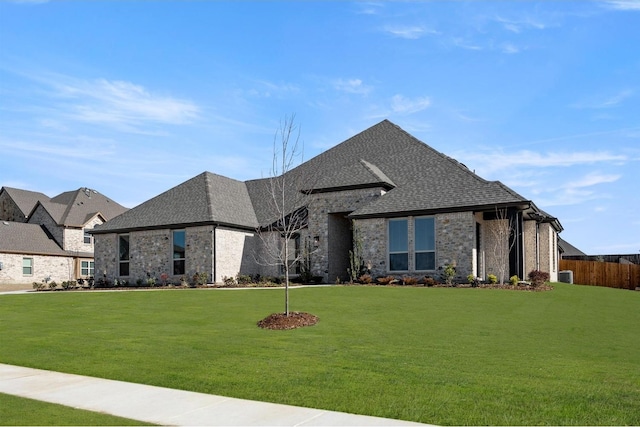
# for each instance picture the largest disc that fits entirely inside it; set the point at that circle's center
(19, 237)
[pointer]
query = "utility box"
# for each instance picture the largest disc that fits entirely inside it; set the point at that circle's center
(565, 276)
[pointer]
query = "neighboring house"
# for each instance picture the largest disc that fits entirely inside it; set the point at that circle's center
(568, 250)
(415, 209)
(63, 221)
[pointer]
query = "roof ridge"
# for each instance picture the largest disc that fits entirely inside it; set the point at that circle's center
(208, 188)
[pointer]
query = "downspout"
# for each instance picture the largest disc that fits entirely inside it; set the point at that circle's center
(537, 245)
(213, 254)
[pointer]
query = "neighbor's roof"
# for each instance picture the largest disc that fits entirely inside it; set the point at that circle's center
(205, 199)
(24, 238)
(568, 249)
(25, 199)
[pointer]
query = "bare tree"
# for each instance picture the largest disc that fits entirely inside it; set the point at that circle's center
(501, 231)
(288, 198)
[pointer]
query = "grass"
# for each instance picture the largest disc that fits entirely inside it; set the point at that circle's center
(445, 356)
(18, 411)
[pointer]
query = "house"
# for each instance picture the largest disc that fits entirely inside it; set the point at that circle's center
(44, 237)
(415, 211)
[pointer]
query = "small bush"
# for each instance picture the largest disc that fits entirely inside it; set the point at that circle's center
(386, 280)
(163, 278)
(68, 284)
(244, 279)
(449, 273)
(38, 286)
(514, 280)
(151, 282)
(493, 279)
(53, 285)
(229, 281)
(365, 279)
(538, 278)
(409, 281)
(200, 279)
(429, 281)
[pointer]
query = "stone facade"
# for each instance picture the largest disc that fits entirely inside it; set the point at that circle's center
(73, 237)
(56, 268)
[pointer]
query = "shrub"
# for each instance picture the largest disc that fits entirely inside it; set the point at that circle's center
(514, 280)
(151, 282)
(229, 281)
(430, 281)
(449, 273)
(386, 280)
(53, 285)
(538, 278)
(200, 279)
(38, 286)
(244, 279)
(163, 278)
(139, 282)
(365, 279)
(493, 279)
(68, 284)
(409, 281)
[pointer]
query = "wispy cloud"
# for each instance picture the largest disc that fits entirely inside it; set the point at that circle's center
(592, 179)
(622, 4)
(518, 26)
(410, 32)
(536, 159)
(352, 86)
(609, 102)
(267, 89)
(402, 105)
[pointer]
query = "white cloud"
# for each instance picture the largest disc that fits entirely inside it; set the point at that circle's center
(592, 179)
(510, 48)
(535, 159)
(410, 32)
(609, 102)
(351, 86)
(402, 105)
(121, 102)
(623, 4)
(517, 26)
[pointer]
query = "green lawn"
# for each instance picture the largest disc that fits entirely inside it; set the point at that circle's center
(17, 411)
(446, 356)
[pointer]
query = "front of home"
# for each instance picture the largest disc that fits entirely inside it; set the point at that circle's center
(412, 210)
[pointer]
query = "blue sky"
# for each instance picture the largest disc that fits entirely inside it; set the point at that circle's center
(132, 99)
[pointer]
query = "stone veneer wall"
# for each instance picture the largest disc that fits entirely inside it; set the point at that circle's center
(58, 268)
(74, 237)
(530, 256)
(455, 242)
(236, 253)
(489, 243)
(323, 204)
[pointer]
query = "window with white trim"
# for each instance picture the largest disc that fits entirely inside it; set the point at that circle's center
(27, 266)
(87, 268)
(87, 236)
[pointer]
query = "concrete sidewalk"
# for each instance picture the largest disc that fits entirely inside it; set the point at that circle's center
(167, 406)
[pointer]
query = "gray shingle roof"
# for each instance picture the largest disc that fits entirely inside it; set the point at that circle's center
(207, 198)
(24, 199)
(75, 208)
(24, 238)
(418, 178)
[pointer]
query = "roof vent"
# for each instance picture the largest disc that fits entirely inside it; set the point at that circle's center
(5, 222)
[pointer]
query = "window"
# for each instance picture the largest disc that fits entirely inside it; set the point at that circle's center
(179, 251)
(27, 266)
(86, 268)
(123, 254)
(425, 244)
(87, 236)
(398, 245)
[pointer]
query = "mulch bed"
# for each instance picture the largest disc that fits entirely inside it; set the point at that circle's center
(281, 321)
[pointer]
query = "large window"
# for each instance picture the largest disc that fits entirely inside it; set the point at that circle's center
(425, 244)
(415, 252)
(86, 268)
(179, 251)
(398, 245)
(27, 266)
(123, 254)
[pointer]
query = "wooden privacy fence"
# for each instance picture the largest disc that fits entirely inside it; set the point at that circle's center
(608, 274)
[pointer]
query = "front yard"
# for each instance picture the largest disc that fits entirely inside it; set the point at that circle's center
(445, 356)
